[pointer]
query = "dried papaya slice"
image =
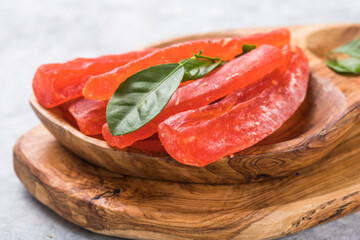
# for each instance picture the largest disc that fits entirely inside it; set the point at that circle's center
(56, 83)
(103, 86)
(235, 74)
(152, 144)
(149, 145)
(245, 117)
(90, 115)
(64, 112)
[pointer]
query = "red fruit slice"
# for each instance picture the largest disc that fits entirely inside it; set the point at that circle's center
(103, 86)
(64, 112)
(90, 115)
(149, 144)
(152, 144)
(56, 83)
(235, 74)
(201, 136)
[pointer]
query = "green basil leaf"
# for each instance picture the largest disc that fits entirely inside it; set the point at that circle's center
(246, 48)
(196, 68)
(348, 65)
(334, 65)
(142, 97)
(351, 48)
(352, 64)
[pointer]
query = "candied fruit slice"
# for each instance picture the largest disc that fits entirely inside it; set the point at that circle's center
(233, 75)
(201, 136)
(103, 86)
(152, 144)
(149, 144)
(64, 112)
(90, 115)
(56, 83)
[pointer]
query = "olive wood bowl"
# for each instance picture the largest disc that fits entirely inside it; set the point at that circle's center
(328, 112)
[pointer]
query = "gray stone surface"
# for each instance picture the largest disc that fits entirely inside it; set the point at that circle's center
(33, 32)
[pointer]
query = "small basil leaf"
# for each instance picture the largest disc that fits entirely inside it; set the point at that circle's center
(348, 65)
(142, 97)
(197, 68)
(246, 48)
(352, 64)
(334, 65)
(351, 48)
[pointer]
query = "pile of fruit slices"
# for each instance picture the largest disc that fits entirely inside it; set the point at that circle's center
(231, 109)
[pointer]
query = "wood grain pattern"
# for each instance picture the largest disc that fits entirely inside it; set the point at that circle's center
(327, 114)
(117, 205)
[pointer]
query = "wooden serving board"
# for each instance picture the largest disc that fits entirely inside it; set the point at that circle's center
(117, 205)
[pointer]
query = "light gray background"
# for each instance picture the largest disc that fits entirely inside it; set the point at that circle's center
(42, 31)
